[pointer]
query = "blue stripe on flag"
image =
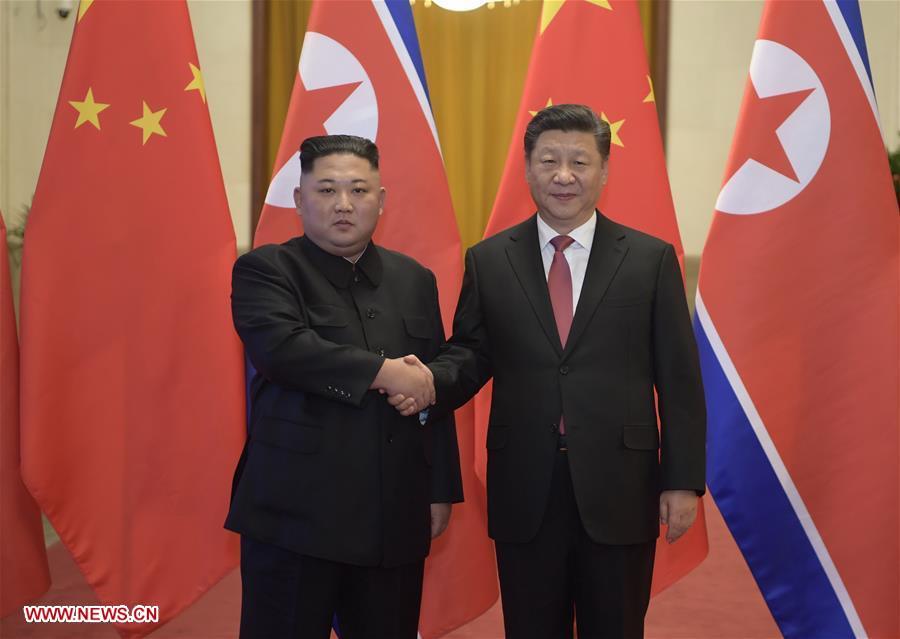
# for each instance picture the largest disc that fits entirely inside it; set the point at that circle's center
(853, 18)
(760, 516)
(402, 14)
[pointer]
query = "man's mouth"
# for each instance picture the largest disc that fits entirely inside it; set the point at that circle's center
(565, 197)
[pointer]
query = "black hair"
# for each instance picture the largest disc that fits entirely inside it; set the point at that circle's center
(567, 117)
(321, 145)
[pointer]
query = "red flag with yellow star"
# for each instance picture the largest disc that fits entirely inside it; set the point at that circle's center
(592, 52)
(24, 575)
(132, 376)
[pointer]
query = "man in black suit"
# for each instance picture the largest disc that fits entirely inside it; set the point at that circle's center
(578, 475)
(336, 495)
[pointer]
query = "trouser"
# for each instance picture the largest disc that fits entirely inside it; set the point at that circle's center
(562, 575)
(292, 596)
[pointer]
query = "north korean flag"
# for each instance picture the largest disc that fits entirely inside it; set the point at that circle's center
(798, 331)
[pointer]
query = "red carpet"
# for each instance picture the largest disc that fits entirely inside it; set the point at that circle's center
(719, 600)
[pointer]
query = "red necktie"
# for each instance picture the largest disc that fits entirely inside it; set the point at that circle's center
(559, 281)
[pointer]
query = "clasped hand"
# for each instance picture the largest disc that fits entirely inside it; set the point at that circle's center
(407, 382)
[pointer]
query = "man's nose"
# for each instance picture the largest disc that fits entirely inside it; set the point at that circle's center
(343, 202)
(564, 175)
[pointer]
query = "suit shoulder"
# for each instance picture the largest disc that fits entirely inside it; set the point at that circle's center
(395, 260)
(499, 241)
(269, 254)
(264, 252)
(640, 240)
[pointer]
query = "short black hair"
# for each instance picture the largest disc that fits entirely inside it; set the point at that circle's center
(311, 149)
(567, 117)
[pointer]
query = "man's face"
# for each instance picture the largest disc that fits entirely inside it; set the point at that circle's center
(566, 174)
(340, 201)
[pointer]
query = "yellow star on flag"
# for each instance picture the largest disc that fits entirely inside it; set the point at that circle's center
(88, 110)
(549, 103)
(197, 83)
(83, 7)
(552, 7)
(614, 129)
(651, 97)
(149, 122)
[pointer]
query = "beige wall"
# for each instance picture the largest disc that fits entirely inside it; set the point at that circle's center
(34, 43)
(710, 46)
(881, 22)
(33, 48)
(222, 30)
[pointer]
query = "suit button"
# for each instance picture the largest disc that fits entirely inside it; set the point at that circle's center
(356, 278)
(553, 428)
(564, 370)
(390, 439)
(370, 313)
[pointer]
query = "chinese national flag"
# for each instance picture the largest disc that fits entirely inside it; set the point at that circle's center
(360, 73)
(592, 52)
(132, 376)
(24, 575)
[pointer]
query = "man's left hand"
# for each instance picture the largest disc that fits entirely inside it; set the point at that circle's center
(440, 517)
(677, 509)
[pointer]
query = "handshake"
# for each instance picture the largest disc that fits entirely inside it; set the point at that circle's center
(407, 382)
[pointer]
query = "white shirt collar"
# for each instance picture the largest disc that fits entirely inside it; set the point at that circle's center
(355, 259)
(583, 235)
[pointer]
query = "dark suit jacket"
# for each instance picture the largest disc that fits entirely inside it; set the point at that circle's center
(630, 334)
(330, 469)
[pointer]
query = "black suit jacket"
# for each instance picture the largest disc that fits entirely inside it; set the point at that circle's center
(630, 335)
(330, 469)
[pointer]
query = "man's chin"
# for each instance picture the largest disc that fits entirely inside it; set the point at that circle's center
(345, 247)
(565, 216)
(344, 239)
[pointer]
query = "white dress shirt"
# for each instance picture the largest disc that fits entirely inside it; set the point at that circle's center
(576, 254)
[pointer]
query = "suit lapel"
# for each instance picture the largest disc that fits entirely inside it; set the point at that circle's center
(607, 252)
(525, 258)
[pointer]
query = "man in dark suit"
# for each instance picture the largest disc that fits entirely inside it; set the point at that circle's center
(336, 495)
(578, 475)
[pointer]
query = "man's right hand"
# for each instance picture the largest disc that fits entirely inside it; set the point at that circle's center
(409, 378)
(407, 406)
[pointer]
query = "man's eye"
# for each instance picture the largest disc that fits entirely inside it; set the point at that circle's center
(360, 190)
(548, 161)
(326, 190)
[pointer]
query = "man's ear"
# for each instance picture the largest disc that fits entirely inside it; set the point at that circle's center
(297, 197)
(382, 194)
(528, 175)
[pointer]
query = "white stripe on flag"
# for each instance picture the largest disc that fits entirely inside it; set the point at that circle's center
(843, 31)
(406, 62)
